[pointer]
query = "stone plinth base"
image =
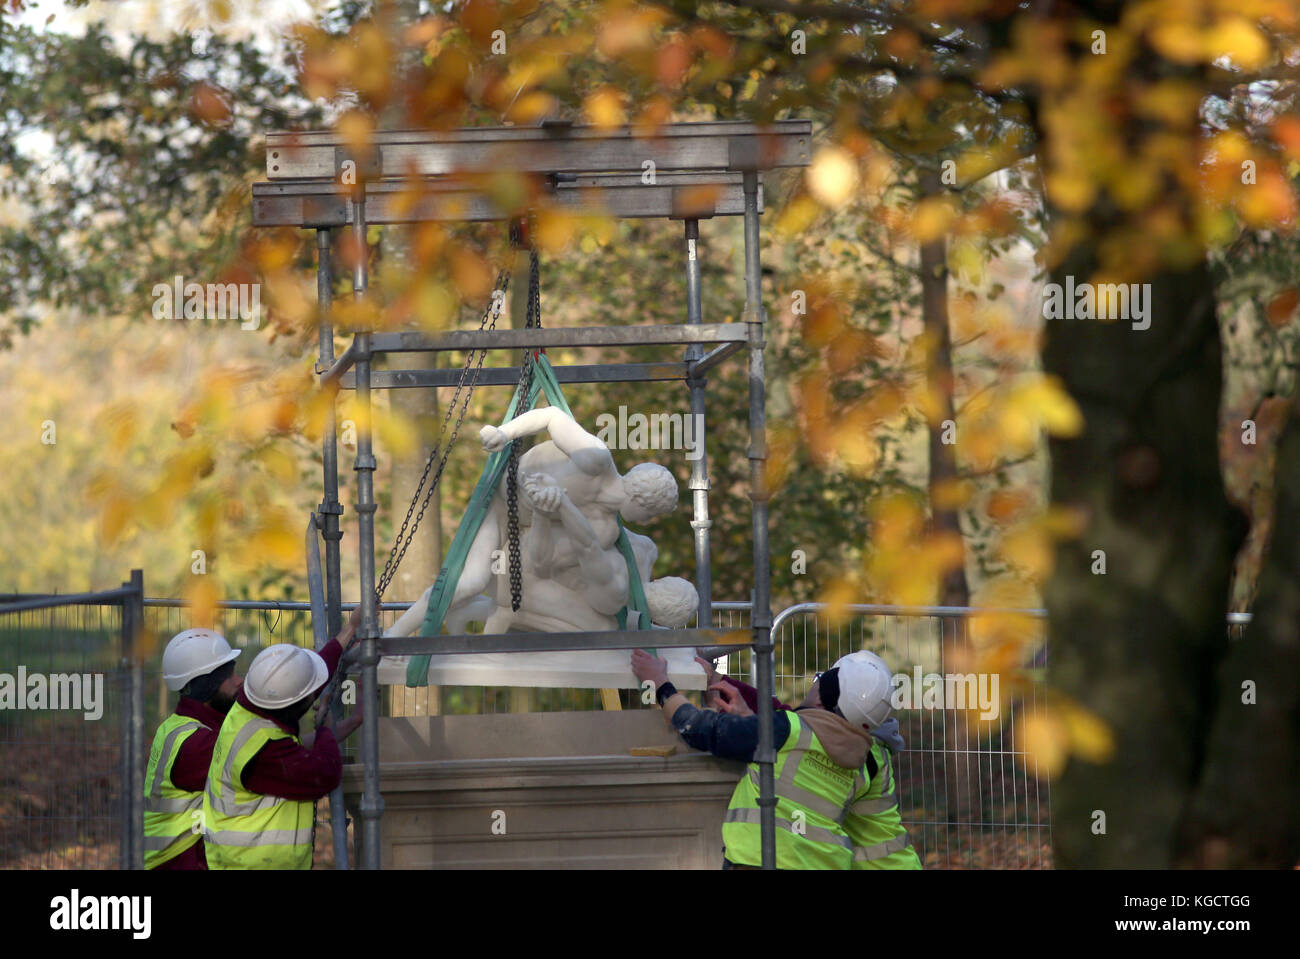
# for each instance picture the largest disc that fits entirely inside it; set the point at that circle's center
(545, 791)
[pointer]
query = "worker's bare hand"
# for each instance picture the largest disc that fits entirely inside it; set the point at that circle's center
(646, 667)
(342, 728)
(494, 439)
(711, 671)
(730, 701)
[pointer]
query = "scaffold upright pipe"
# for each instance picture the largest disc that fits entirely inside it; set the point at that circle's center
(372, 804)
(761, 616)
(330, 510)
(700, 521)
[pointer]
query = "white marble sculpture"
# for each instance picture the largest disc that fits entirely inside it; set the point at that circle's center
(574, 579)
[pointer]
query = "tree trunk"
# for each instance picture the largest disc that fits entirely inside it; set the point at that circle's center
(960, 787)
(953, 590)
(418, 407)
(1245, 810)
(1139, 644)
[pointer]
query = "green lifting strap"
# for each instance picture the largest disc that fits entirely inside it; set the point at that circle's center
(417, 671)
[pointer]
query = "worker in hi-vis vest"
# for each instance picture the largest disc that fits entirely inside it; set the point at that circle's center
(264, 780)
(200, 665)
(836, 792)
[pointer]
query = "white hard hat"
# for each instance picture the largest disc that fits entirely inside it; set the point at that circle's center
(866, 686)
(195, 652)
(283, 674)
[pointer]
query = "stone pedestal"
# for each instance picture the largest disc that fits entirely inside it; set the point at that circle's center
(591, 669)
(545, 791)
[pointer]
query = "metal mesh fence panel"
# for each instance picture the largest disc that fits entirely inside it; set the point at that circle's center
(61, 736)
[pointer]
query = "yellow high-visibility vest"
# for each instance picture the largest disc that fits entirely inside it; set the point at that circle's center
(873, 821)
(812, 794)
(170, 826)
(247, 830)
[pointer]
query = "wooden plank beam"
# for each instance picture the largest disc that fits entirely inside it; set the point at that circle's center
(546, 149)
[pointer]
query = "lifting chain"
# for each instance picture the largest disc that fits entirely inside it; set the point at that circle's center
(405, 537)
(532, 320)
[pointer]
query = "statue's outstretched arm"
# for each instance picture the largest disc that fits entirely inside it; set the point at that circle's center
(587, 452)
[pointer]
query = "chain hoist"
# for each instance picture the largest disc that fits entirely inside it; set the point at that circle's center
(532, 320)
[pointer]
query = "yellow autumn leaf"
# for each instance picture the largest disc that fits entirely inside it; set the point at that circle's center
(1091, 738)
(1046, 741)
(1178, 40)
(202, 593)
(435, 305)
(357, 130)
(931, 219)
(833, 176)
(1239, 39)
(555, 230)
(396, 433)
(797, 216)
(280, 465)
(1073, 191)
(273, 543)
(967, 261)
(838, 596)
(604, 108)
(1030, 549)
(531, 107)
(114, 515)
(1044, 399)
(951, 494)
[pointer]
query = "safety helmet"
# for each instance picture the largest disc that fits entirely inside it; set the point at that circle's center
(283, 674)
(194, 652)
(866, 686)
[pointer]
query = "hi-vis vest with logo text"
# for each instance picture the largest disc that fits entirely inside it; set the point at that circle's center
(247, 830)
(170, 826)
(812, 795)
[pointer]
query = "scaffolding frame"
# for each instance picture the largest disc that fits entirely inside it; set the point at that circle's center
(709, 169)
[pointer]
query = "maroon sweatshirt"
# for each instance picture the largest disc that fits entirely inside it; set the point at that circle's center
(283, 767)
(750, 695)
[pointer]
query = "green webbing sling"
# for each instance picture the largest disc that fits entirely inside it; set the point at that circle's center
(417, 671)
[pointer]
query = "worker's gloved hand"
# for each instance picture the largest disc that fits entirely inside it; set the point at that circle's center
(646, 667)
(493, 439)
(730, 701)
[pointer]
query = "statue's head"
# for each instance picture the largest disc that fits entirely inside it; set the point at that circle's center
(651, 492)
(672, 601)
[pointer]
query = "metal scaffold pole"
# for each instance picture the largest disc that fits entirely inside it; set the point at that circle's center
(700, 521)
(761, 617)
(330, 510)
(372, 804)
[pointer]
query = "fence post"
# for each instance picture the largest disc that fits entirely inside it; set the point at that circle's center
(133, 725)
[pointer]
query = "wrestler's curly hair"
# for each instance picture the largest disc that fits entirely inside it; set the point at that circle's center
(652, 487)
